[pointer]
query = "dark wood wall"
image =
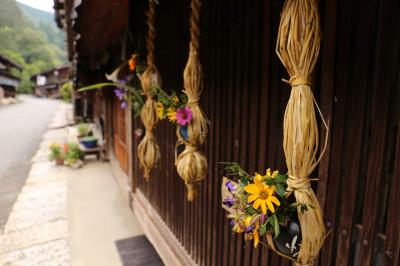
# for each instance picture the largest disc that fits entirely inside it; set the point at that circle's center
(357, 86)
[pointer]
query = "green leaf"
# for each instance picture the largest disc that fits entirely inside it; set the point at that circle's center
(276, 226)
(270, 221)
(251, 210)
(98, 86)
(263, 229)
(280, 190)
(281, 179)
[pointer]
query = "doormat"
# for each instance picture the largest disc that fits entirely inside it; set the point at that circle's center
(137, 251)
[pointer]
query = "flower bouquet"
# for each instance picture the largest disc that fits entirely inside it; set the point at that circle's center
(260, 207)
(174, 108)
(126, 84)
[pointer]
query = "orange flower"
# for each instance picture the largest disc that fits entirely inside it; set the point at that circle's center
(132, 63)
(65, 147)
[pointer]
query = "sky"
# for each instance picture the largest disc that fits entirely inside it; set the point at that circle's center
(46, 5)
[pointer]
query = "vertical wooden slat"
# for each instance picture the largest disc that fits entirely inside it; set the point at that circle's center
(217, 137)
(213, 140)
(228, 240)
(337, 138)
(327, 90)
(266, 54)
(392, 247)
(237, 114)
(244, 107)
(255, 75)
(209, 69)
(352, 148)
(205, 55)
(386, 55)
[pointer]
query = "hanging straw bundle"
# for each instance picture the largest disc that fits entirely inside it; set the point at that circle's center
(192, 164)
(298, 48)
(148, 150)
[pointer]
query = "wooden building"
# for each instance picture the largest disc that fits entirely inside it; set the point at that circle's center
(49, 82)
(356, 83)
(8, 81)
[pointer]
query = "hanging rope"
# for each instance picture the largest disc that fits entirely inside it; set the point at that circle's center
(298, 48)
(148, 150)
(192, 164)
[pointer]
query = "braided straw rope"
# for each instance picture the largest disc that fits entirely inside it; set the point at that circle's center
(148, 150)
(192, 164)
(298, 48)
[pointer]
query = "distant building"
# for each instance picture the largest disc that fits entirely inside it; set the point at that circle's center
(8, 82)
(48, 83)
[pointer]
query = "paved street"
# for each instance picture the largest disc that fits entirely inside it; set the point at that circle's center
(21, 128)
(36, 230)
(49, 223)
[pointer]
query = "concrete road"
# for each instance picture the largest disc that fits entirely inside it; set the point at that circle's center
(21, 128)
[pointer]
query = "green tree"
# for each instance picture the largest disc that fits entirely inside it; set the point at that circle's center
(11, 15)
(35, 46)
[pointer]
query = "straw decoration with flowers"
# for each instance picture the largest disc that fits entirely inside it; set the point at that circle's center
(282, 208)
(298, 49)
(148, 149)
(191, 164)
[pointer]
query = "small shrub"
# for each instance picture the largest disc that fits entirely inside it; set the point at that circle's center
(72, 153)
(55, 152)
(83, 130)
(66, 91)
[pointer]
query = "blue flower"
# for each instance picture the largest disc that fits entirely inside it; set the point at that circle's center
(123, 105)
(228, 202)
(249, 229)
(122, 82)
(230, 186)
(119, 93)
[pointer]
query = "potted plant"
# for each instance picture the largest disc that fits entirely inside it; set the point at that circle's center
(89, 142)
(56, 153)
(73, 155)
(83, 130)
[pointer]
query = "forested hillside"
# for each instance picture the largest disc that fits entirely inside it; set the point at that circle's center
(44, 21)
(30, 37)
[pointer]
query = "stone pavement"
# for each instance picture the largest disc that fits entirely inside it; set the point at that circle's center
(66, 216)
(36, 232)
(10, 186)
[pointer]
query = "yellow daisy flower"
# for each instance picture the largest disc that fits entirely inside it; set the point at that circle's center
(171, 114)
(160, 110)
(238, 229)
(256, 236)
(262, 195)
(269, 175)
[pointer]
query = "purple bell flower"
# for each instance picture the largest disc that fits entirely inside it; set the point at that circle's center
(262, 218)
(123, 105)
(122, 82)
(230, 186)
(119, 93)
(250, 229)
(228, 202)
